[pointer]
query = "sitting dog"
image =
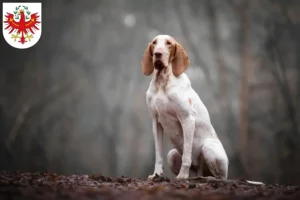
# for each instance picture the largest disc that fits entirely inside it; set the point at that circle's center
(178, 112)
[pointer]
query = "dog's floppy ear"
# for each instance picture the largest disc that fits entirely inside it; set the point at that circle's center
(147, 65)
(180, 61)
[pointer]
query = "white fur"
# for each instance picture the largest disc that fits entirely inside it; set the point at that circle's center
(178, 113)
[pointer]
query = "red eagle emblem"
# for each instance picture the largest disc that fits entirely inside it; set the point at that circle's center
(23, 26)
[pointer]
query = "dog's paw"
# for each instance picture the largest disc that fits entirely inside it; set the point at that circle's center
(182, 176)
(155, 175)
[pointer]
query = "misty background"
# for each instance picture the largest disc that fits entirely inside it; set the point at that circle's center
(75, 102)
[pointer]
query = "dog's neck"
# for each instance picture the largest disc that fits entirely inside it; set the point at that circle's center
(161, 77)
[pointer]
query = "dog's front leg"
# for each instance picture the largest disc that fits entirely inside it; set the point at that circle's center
(188, 127)
(158, 140)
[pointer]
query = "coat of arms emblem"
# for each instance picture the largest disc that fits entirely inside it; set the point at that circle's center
(22, 24)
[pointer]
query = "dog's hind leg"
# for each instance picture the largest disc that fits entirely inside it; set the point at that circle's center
(175, 161)
(216, 159)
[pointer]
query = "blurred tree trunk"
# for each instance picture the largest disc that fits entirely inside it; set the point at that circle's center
(245, 59)
(217, 47)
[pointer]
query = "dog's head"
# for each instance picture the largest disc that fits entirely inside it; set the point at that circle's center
(163, 52)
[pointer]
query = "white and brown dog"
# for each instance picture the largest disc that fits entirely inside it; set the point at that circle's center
(178, 112)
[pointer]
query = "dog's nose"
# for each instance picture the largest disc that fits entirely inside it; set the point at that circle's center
(157, 54)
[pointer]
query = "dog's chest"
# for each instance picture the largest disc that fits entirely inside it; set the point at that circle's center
(162, 106)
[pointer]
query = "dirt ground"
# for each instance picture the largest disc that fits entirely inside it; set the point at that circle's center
(20, 185)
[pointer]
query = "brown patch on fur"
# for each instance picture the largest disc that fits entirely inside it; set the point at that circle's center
(190, 101)
(147, 65)
(172, 52)
(181, 60)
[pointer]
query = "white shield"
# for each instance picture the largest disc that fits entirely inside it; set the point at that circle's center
(22, 24)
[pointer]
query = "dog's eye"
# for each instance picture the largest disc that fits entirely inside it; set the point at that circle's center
(154, 42)
(168, 42)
